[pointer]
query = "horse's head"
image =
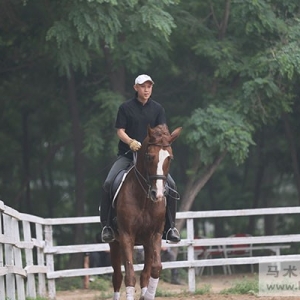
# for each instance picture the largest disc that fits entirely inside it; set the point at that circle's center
(157, 155)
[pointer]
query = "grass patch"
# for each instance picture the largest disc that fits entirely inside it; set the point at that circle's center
(182, 293)
(69, 283)
(100, 284)
(103, 296)
(243, 287)
(166, 275)
(205, 289)
(76, 283)
(160, 293)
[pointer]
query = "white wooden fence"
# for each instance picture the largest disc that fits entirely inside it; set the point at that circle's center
(27, 262)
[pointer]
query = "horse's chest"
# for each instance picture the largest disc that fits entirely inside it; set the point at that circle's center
(146, 216)
(150, 213)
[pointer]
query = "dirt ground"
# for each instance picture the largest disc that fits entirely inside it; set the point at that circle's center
(216, 283)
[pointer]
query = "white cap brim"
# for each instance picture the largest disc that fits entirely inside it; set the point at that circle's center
(143, 78)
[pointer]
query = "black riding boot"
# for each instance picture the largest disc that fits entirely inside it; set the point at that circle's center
(172, 234)
(107, 234)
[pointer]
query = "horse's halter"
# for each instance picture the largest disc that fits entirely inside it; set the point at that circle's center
(149, 178)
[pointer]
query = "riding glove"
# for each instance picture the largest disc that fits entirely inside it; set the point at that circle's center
(135, 145)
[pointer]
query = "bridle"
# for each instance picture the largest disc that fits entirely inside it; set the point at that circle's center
(148, 178)
(153, 177)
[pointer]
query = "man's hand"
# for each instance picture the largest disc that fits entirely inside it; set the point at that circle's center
(135, 145)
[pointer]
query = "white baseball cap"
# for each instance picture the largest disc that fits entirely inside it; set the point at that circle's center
(143, 78)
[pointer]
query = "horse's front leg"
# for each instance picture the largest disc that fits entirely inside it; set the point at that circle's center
(145, 274)
(115, 257)
(127, 244)
(152, 268)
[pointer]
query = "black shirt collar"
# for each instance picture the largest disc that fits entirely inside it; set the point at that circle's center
(140, 103)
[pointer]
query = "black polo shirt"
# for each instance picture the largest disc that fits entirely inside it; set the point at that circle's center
(135, 117)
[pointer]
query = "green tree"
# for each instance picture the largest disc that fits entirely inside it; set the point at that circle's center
(80, 44)
(227, 71)
(243, 55)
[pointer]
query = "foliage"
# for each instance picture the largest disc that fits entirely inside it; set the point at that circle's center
(115, 26)
(245, 286)
(106, 104)
(228, 82)
(259, 69)
(164, 293)
(69, 283)
(206, 289)
(102, 284)
(218, 129)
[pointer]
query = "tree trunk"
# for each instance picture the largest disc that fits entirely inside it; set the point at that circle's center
(79, 162)
(224, 23)
(116, 75)
(26, 165)
(260, 170)
(194, 187)
(218, 222)
(291, 139)
(268, 198)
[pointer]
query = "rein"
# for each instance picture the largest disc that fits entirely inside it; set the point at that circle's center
(138, 175)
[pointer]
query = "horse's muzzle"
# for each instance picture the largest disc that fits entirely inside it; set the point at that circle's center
(157, 192)
(156, 197)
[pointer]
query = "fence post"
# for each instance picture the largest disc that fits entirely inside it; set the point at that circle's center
(50, 261)
(9, 259)
(190, 254)
(40, 261)
(18, 260)
(31, 289)
(2, 285)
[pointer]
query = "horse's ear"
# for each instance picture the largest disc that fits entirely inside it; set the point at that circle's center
(175, 134)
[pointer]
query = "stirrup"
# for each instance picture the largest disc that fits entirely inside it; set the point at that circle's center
(107, 234)
(174, 236)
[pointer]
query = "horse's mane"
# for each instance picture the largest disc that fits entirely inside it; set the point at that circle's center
(160, 134)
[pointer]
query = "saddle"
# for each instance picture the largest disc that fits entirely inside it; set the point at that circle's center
(117, 184)
(114, 191)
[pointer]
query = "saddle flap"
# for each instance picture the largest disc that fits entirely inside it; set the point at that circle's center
(117, 184)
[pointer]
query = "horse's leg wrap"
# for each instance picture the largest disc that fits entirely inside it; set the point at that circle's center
(143, 291)
(151, 290)
(130, 291)
(116, 296)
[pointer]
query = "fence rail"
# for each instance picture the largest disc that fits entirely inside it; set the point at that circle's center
(27, 262)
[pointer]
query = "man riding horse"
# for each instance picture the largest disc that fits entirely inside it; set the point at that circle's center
(132, 121)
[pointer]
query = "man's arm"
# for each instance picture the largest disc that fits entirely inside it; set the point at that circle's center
(123, 136)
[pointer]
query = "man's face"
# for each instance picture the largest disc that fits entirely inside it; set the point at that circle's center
(144, 90)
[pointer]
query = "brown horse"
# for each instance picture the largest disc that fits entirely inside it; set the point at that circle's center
(140, 210)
